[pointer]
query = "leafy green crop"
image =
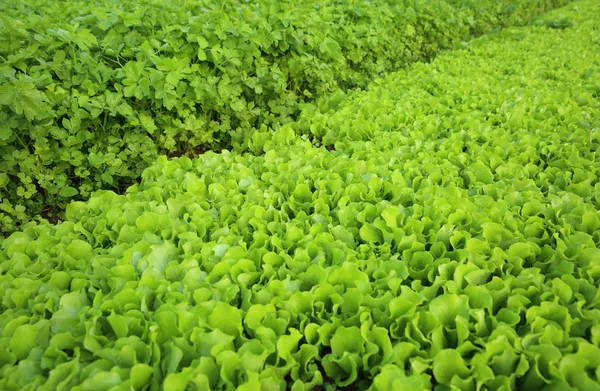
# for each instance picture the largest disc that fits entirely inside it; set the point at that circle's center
(450, 241)
(92, 92)
(554, 88)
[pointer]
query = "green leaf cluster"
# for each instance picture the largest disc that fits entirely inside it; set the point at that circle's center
(449, 241)
(92, 92)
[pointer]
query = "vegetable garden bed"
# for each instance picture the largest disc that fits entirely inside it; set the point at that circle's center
(92, 92)
(450, 240)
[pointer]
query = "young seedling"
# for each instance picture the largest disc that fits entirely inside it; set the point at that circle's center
(591, 126)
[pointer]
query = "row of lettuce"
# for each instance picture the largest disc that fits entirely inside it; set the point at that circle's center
(92, 92)
(446, 236)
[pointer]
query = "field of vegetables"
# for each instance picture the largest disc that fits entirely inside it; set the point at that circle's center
(92, 92)
(434, 227)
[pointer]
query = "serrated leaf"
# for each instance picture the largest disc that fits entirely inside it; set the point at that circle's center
(85, 39)
(330, 47)
(148, 123)
(24, 98)
(173, 77)
(238, 105)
